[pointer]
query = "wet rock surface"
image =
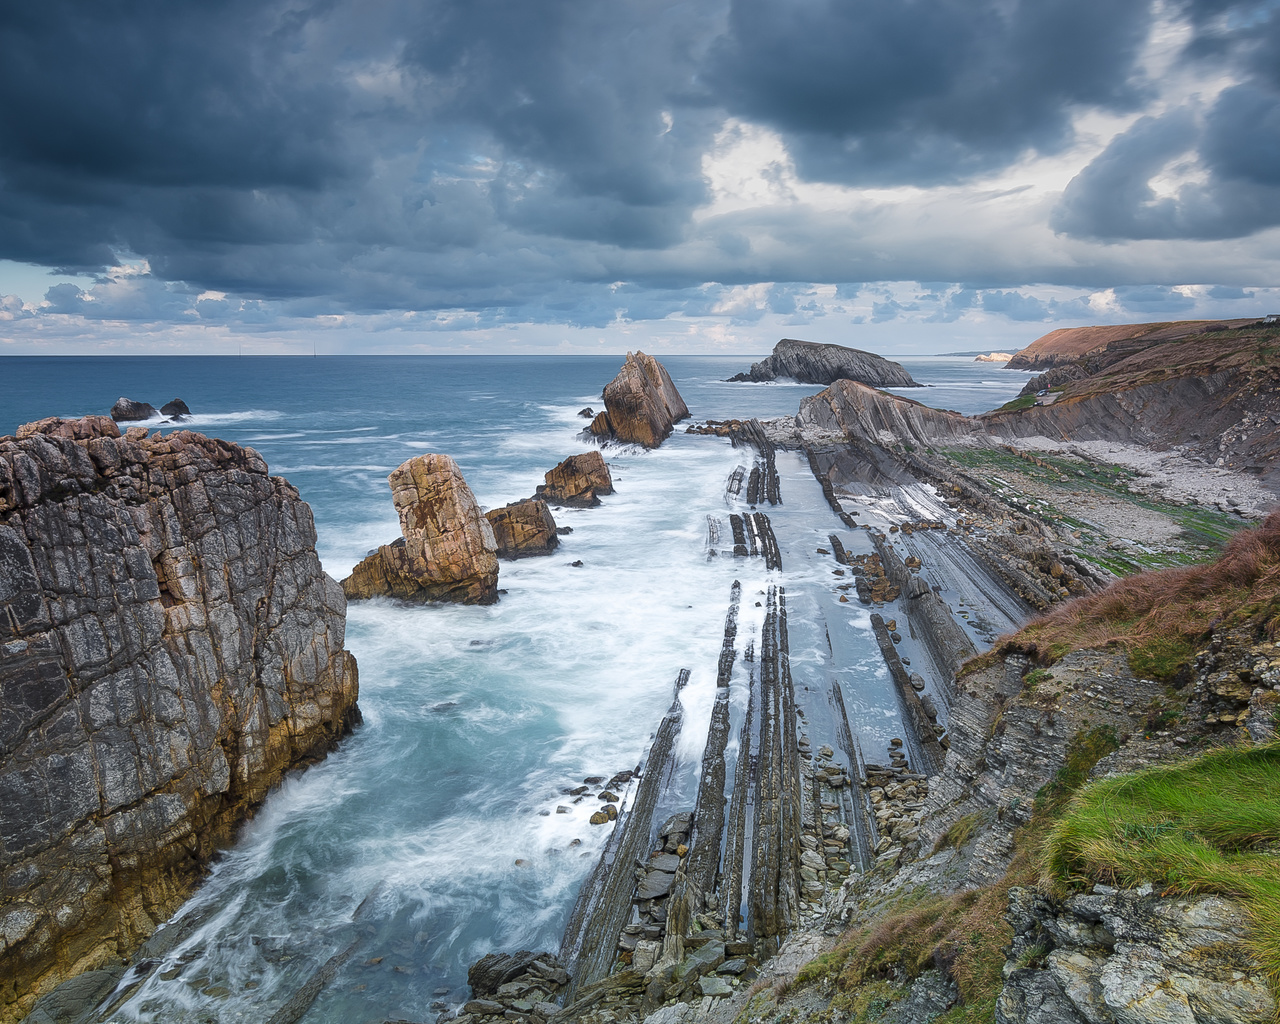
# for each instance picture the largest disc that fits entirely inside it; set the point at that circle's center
(523, 529)
(577, 482)
(128, 410)
(169, 647)
(813, 363)
(641, 404)
(447, 551)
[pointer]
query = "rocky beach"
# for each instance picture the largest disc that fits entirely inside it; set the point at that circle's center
(840, 769)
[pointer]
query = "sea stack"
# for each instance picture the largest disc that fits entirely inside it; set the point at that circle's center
(169, 647)
(523, 529)
(641, 404)
(447, 552)
(812, 363)
(577, 482)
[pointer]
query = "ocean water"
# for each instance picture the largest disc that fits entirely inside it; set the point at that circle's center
(432, 835)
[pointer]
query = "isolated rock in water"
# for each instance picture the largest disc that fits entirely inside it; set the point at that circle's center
(127, 410)
(641, 404)
(77, 430)
(523, 528)
(169, 647)
(577, 482)
(588, 413)
(175, 409)
(447, 552)
(812, 363)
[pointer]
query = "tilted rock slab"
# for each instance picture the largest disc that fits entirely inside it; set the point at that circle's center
(577, 482)
(851, 410)
(523, 529)
(641, 404)
(448, 551)
(814, 363)
(169, 647)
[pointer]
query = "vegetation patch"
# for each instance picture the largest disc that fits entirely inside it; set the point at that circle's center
(1084, 750)
(1162, 618)
(1210, 825)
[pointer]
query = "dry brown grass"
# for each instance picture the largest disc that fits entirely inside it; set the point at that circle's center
(1159, 617)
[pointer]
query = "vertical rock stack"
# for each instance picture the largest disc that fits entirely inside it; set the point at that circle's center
(447, 551)
(577, 482)
(523, 529)
(641, 404)
(169, 647)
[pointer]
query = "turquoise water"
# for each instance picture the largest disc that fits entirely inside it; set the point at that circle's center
(439, 813)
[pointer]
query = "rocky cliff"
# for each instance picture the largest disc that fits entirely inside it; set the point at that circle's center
(1068, 344)
(812, 363)
(855, 411)
(169, 647)
(447, 551)
(641, 404)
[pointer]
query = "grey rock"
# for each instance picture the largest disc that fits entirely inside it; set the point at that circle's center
(813, 363)
(713, 986)
(655, 883)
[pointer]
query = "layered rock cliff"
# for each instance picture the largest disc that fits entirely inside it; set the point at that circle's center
(813, 363)
(447, 551)
(855, 411)
(169, 647)
(641, 404)
(1068, 344)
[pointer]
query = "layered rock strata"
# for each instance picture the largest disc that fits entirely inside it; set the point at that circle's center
(641, 404)
(447, 551)
(812, 363)
(523, 529)
(169, 647)
(577, 482)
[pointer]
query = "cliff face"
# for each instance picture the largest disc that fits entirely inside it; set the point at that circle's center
(856, 411)
(1067, 344)
(169, 647)
(812, 363)
(641, 403)
(447, 551)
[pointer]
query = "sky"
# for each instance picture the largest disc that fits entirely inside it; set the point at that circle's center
(905, 176)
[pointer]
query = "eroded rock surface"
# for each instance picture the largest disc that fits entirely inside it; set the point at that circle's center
(523, 529)
(447, 551)
(169, 647)
(126, 410)
(641, 403)
(577, 482)
(814, 363)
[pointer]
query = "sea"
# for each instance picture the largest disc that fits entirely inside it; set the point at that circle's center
(441, 829)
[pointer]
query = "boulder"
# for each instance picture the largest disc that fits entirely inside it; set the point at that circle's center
(447, 551)
(169, 647)
(641, 404)
(577, 482)
(523, 529)
(175, 409)
(812, 363)
(127, 410)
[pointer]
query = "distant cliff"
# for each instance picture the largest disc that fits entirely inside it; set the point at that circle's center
(811, 363)
(169, 647)
(1068, 344)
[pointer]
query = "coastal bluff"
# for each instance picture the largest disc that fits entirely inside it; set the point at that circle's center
(169, 647)
(813, 363)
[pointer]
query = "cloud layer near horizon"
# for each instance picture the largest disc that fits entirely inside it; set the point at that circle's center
(485, 162)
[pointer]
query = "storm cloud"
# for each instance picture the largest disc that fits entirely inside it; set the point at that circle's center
(577, 162)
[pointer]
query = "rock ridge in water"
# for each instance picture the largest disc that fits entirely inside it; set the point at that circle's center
(814, 363)
(169, 647)
(641, 404)
(523, 529)
(447, 551)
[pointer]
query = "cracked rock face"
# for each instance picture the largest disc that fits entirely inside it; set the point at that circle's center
(169, 647)
(523, 529)
(641, 403)
(577, 482)
(447, 551)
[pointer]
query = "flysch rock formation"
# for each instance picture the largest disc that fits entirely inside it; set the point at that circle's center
(523, 529)
(641, 404)
(169, 648)
(577, 482)
(813, 363)
(447, 551)
(849, 409)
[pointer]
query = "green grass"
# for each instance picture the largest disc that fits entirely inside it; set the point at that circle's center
(1206, 826)
(1024, 402)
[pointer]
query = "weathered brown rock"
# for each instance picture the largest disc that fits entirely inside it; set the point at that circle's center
(578, 481)
(169, 647)
(523, 529)
(641, 404)
(447, 551)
